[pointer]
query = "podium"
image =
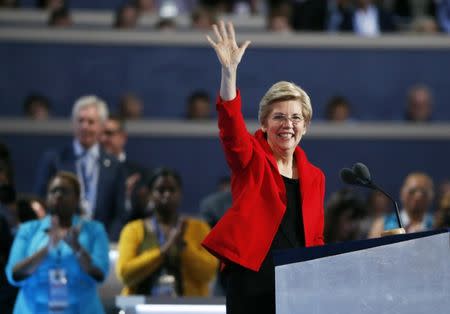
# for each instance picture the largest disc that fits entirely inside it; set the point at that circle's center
(407, 273)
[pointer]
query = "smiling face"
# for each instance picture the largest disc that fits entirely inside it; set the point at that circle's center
(88, 126)
(284, 126)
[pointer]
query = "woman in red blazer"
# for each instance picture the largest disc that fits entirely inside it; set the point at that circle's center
(277, 193)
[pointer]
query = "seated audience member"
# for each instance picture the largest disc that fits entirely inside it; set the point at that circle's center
(126, 17)
(443, 15)
(146, 6)
(202, 19)
(442, 216)
(416, 195)
(419, 107)
(320, 15)
(198, 106)
(161, 254)
(36, 107)
(166, 24)
(278, 20)
(57, 262)
(130, 107)
(338, 109)
(424, 25)
(368, 19)
(101, 175)
(60, 18)
(344, 213)
(51, 5)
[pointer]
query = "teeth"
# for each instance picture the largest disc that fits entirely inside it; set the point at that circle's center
(285, 135)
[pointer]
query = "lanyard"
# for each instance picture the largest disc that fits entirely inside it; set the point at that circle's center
(159, 234)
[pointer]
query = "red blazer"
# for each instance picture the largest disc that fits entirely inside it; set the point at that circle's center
(245, 233)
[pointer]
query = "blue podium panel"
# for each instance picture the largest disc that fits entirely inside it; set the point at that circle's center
(411, 274)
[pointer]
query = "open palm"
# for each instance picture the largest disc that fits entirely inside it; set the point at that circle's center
(227, 50)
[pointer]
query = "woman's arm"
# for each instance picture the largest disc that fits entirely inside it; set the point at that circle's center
(229, 55)
(21, 265)
(86, 261)
(132, 268)
(26, 267)
(233, 132)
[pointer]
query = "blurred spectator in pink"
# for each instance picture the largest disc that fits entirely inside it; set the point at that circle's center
(130, 107)
(60, 18)
(419, 105)
(198, 106)
(126, 17)
(36, 107)
(338, 109)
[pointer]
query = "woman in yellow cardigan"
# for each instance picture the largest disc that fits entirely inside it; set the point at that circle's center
(161, 254)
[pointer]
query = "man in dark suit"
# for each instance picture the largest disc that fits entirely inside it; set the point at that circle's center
(101, 175)
(114, 139)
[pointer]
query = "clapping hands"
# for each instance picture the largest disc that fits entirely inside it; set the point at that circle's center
(69, 235)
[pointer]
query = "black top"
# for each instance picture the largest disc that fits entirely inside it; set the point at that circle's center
(254, 292)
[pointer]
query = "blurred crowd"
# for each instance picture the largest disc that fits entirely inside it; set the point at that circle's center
(418, 107)
(362, 17)
(91, 188)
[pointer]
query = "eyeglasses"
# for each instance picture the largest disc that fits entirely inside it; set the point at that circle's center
(110, 132)
(281, 118)
(63, 191)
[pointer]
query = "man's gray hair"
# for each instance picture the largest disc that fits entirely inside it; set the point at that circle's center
(91, 101)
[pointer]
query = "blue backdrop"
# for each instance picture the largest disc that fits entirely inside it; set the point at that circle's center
(375, 81)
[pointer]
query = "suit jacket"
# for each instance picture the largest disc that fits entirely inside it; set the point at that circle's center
(110, 202)
(246, 231)
(385, 21)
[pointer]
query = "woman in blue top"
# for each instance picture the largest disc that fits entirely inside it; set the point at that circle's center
(58, 261)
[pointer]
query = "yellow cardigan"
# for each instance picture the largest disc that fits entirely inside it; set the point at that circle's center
(198, 266)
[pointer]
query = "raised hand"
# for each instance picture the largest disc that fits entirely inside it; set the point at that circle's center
(228, 52)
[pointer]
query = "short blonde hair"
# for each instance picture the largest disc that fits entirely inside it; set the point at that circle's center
(283, 91)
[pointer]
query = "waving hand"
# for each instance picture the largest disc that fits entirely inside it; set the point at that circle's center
(229, 55)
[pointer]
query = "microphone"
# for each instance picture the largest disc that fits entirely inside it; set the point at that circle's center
(359, 175)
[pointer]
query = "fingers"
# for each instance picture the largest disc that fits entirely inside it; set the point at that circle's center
(216, 31)
(231, 31)
(243, 48)
(211, 41)
(223, 30)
